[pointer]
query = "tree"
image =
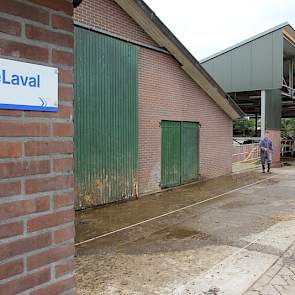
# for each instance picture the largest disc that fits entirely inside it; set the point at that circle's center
(288, 126)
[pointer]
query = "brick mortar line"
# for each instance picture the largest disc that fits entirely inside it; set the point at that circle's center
(27, 60)
(67, 85)
(67, 104)
(49, 283)
(27, 234)
(30, 272)
(57, 156)
(27, 255)
(36, 176)
(35, 119)
(60, 13)
(52, 245)
(25, 21)
(22, 21)
(48, 9)
(34, 42)
(27, 217)
(22, 197)
(7, 280)
(36, 139)
(41, 213)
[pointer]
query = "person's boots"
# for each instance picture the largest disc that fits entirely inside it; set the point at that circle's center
(263, 168)
(268, 168)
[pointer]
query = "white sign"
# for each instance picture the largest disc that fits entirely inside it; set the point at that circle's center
(25, 86)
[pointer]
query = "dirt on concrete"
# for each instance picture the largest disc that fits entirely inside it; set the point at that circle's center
(171, 254)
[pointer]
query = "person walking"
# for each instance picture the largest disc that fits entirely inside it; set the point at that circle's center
(266, 150)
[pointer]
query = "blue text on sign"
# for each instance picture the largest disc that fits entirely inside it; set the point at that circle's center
(19, 80)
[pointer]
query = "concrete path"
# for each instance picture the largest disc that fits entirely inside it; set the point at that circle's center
(240, 241)
(279, 279)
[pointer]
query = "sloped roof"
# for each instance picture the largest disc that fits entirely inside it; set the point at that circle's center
(154, 27)
(288, 31)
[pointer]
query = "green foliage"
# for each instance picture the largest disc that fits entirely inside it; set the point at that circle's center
(244, 128)
(288, 126)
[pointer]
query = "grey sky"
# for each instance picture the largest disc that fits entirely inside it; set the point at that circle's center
(206, 27)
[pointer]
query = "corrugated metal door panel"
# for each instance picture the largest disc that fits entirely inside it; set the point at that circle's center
(105, 119)
(189, 151)
(170, 154)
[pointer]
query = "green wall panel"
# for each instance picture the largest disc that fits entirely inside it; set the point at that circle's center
(273, 109)
(105, 119)
(179, 153)
(189, 151)
(170, 154)
(262, 63)
(254, 65)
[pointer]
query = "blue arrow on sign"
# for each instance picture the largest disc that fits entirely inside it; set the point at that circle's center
(43, 101)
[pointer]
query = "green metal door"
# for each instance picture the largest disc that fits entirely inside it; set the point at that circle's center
(170, 154)
(105, 119)
(189, 151)
(179, 153)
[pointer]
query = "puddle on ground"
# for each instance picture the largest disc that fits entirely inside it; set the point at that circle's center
(181, 233)
(96, 221)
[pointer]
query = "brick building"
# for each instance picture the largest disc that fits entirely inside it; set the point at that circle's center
(182, 127)
(137, 91)
(36, 156)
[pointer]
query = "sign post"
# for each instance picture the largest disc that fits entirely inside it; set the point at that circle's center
(25, 86)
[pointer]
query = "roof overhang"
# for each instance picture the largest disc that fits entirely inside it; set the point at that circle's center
(289, 33)
(154, 27)
(76, 3)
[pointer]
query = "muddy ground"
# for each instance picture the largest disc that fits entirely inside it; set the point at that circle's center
(221, 246)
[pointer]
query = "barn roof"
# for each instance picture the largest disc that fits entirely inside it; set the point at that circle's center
(142, 14)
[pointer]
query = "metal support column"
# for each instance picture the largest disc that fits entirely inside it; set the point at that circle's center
(291, 75)
(263, 112)
(256, 125)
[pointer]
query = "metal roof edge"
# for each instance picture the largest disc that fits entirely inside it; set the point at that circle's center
(278, 27)
(164, 29)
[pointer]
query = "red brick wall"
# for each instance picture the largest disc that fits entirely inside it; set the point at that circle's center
(166, 92)
(275, 136)
(36, 179)
(108, 16)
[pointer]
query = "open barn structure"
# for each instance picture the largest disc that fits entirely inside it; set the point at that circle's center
(258, 74)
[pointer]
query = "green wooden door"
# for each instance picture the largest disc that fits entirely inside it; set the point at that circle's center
(179, 153)
(189, 151)
(170, 154)
(105, 119)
